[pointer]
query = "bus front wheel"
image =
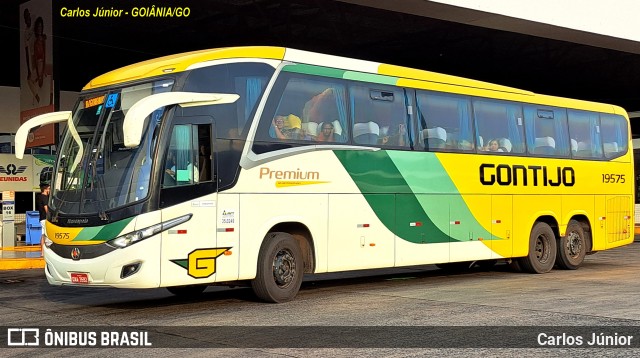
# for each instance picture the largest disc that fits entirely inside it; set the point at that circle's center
(572, 247)
(542, 250)
(280, 268)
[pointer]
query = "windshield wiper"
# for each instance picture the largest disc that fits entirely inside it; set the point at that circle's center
(98, 188)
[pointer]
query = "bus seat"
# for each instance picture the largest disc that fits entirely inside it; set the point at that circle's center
(504, 145)
(337, 128)
(583, 149)
(545, 145)
(452, 140)
(366, 133)
(574, 145)
(610, 147)
(434, 137)
(480, 141)
(311, 128)
(583, 146)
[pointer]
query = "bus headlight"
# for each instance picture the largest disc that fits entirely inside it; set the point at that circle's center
(131, 238)
(128, 239)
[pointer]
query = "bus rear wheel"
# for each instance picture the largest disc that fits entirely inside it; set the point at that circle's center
(572, 247)
(280, 269)
(542, 250)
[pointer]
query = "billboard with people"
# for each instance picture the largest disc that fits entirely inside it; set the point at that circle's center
(36, 67)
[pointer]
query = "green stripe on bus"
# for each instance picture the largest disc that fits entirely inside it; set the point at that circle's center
(366, 168)
(103, 233)
(424, 199)
(314, 70)
(368, 77)
(335, 73)
(425, 174)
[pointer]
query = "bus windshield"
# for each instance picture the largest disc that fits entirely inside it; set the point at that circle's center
(95, 171)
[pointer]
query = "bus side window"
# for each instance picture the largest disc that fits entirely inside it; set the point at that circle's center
(169, 174)
(546, 131)
(445, 121)
(614, 135)
(306, 102)
(205, 158)
(584, 128)
(499, 123)
(181, 166)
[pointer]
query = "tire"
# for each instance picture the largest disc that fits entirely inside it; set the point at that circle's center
(542, 250)
(187, 291)
(572, 247)
(280, 269)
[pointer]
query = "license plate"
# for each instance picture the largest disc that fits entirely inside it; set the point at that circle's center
(79, 278)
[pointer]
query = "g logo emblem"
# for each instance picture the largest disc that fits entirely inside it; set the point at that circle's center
(201, 263)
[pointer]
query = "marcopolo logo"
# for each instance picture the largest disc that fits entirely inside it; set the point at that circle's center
(11, 172)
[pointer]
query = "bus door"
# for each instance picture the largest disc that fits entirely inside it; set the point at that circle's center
(188, 192)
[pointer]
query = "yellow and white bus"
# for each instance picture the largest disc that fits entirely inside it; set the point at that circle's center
(259, 164)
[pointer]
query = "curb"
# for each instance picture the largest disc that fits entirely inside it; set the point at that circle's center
(22, 264)
(32, 259)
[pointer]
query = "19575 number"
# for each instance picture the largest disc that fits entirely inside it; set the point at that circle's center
(613, 178)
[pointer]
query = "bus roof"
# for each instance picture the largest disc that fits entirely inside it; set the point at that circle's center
(180, 62)
(406, 76)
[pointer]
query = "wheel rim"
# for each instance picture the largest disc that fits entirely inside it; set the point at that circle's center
(573, 246)
(284, 268)
(542, 249)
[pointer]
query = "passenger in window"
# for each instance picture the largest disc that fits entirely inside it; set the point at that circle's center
(194, 174)
(396, 139)
(170, 170)
(288, 127)
(328, 134)
(492, 146)
(293, 128)
(204, 163)
(277, 127)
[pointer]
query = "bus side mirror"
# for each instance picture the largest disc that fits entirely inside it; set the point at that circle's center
(134, 119)
(48, 118)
